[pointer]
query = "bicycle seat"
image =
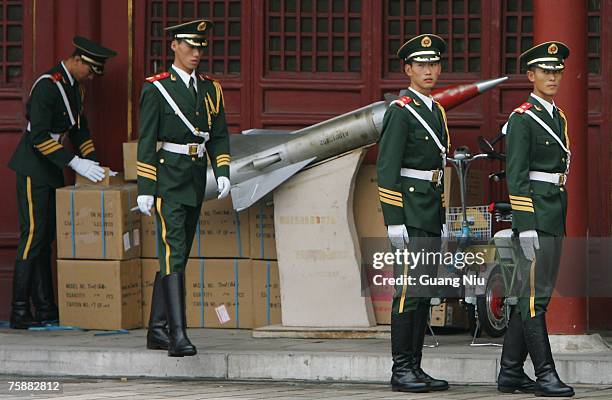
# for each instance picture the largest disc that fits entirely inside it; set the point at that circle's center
(500, 206)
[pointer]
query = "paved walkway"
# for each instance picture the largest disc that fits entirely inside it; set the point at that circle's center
(236, 355)
(192, 389)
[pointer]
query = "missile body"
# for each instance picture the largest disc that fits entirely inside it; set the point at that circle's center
(264, 159)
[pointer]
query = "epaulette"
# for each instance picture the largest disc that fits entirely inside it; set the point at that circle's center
(57, 77)
(402, 101)
(523, 107)
(205, 77)
(157, 77)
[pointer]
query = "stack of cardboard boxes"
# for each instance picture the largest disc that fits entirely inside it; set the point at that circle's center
(224, 287)
(98, 248)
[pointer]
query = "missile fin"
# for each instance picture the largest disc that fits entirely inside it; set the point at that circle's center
(245, 194)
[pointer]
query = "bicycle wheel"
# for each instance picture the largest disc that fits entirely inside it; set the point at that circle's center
(490, 306)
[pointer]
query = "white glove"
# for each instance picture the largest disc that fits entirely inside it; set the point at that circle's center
(112, 173)
(223, 186)
(444, 235)
(444, 232)
(145, 203)
(529, 243)
(87, 168)
(398, 235)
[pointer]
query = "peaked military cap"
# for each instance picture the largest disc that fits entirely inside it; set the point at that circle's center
(191, 32)
(548, 55)
(92, 53)
(422, 48)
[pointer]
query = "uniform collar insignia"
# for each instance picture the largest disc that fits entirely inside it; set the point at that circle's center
(416, 102)
(172, 77)
(537, 107)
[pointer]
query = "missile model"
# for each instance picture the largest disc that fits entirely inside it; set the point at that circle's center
(264, 159)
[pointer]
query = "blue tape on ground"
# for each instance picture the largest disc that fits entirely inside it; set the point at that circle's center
(110, 333)
(54, 328)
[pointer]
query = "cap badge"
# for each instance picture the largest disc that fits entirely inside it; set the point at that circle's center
(553, 49)
(426, 41)
(202, 26)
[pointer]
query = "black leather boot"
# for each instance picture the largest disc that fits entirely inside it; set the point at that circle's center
(418, 339)
(43, 293)
(548, 383)
(512, 377)
(174, 301)
(21, 316)
(157, 335)
(404, 377)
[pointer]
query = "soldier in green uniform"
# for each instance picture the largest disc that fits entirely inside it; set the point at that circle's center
(54, 110)
(538, 159)
(185, 111)
(411, 159)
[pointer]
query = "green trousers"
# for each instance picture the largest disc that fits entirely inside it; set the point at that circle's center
(36, 212)
(539, 277)
(176, 227)
(408, 297)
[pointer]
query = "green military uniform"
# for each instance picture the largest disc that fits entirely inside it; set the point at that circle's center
(537, 163)
(416, 203)
(407, 148)
(39, 160)
(178, 180)
(176, 176)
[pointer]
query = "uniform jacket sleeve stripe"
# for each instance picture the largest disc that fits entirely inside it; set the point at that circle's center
(146, 175)
(392, 202)
(521, 208)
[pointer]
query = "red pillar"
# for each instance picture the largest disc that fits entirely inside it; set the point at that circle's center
(565, 21)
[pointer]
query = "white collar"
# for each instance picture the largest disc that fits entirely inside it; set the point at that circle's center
(428, 100)
(185, 76)
(548, 106)
(70, 78)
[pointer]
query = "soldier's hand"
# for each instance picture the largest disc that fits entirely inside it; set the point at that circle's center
(145, 203)
(87, 168)
(223, 186)
(529, 243)
(398, 235)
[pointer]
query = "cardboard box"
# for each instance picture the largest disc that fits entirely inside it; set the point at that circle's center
(130, 150)
(108, 180)
(221, 232)
(149, 267)
(97, 222)
(449, 314)
(263, 239)
(266, 293)
(218, 288)
(474, 190)
(381, 295)
(103, 295)
(367, 211)
(129, 159)
(148, 236)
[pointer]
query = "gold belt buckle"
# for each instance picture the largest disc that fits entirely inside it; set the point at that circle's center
(436, 177)
(562, 179)
(193, 149)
